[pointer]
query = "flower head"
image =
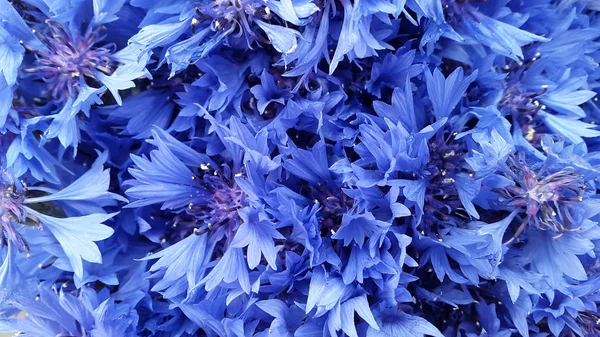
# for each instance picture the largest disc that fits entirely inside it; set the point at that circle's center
(545, 197)
(40, 206)
(68, 59)
(443, 205)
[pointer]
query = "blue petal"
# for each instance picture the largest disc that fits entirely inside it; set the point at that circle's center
(358, 227)
(93, 184)
(231, 267)
(468, 189)
(394, 71)
(501, 37)
(284, 40)
(400, 324)
(11, 55)
(258, 235)
(76, 236)
(445, 93)
(6, 98)
(164, 179)
(572, 129)
(105, 10)
(293, 11)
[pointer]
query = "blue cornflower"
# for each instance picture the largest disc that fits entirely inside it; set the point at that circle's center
(548, 192)
(553, 106)
(425, 160)
(71, 57)
(66, 62)
(20, 211)
(205, 201)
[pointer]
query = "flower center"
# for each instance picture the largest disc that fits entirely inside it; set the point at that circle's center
(544, 197)
(227, 199)
(12, 213)
(228, 15)
(67, 60)
(519, 102)
(589, 322)
(442, 204)
(218, 213)
(333, 208)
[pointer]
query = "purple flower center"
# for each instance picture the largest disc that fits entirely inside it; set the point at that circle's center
(12, 213)
(333, 208)
(442, 205)
(69, 60)
(521, 103)
(589, 322)
(544, 197)
(231, 16)
(220, 213)
(227, 199)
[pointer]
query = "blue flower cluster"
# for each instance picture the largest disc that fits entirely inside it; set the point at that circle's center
(300, 168)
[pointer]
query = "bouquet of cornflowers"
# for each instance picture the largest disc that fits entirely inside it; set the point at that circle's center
(299, 168)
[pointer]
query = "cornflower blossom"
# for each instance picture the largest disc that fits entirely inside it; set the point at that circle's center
(22, 211)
